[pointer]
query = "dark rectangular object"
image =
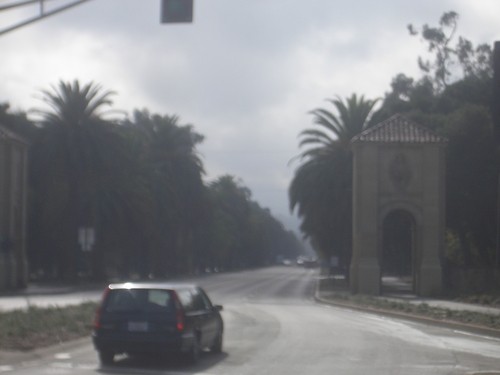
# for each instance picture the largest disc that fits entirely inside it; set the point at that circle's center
(177, 11)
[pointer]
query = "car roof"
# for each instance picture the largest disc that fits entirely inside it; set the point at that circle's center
(151, 285)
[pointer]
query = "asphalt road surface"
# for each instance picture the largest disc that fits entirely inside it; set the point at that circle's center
(273, 326)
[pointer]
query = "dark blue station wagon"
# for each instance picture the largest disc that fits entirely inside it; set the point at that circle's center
(147, 318)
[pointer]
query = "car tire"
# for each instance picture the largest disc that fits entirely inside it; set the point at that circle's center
(193, 357)
(217, 344)
(106, 357)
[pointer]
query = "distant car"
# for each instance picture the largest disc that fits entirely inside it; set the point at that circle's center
(287, 262)
(310, 263)
(144, 318)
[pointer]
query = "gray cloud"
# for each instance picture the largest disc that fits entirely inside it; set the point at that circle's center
(245, 73)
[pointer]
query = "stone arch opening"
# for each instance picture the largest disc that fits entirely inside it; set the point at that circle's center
(398, 252)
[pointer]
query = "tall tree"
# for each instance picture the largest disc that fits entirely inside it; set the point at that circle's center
(76, 158)
(173, 171)
(453, 98)
(17, 122)
(474, 61)
(242, 234)
(472, 182)
(231, 200)
(321, 188)
(351, 120)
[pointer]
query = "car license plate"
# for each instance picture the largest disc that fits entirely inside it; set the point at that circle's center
(138, 326)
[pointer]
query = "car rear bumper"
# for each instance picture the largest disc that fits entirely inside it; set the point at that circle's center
(117, 344)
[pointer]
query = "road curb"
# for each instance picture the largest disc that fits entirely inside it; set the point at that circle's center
(457, 326)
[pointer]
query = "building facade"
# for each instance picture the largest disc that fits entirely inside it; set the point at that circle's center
(398, 172)
(13, 181)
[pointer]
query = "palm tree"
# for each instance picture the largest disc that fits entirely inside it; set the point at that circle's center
(351, 120)
(72, 105)
(321, 187)
(173, 170)
(232, 210)
(76, 159)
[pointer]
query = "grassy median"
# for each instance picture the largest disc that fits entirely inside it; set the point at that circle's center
(38, 327)
(422, 309)
(339, 293)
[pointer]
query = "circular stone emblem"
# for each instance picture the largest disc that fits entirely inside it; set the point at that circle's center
(400, 172)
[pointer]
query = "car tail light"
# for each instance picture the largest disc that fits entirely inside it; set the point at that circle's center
(97, 316)
(97, 319)
(178, 313)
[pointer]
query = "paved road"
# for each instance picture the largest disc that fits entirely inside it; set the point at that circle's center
(273, 326)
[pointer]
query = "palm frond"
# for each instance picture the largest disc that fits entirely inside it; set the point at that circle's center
(317, 134)
(328, 120)
(70, 103)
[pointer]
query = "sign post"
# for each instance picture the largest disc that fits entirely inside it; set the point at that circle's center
(495, 114)
(86, 238)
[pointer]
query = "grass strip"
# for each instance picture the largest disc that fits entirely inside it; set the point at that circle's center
(486, 299)
(422, 309)
(38, 327)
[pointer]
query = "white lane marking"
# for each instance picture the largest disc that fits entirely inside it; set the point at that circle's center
(6, 368)
(57, 371)
(86, 367)
(61, 365)
(477, 335)
(32, 363)
(62, 356)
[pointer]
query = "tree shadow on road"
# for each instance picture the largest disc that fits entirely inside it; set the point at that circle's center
(161, 363)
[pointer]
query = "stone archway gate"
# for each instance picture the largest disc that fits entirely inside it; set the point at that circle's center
(398, 165)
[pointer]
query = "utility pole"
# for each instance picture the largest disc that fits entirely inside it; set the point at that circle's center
(495, 113)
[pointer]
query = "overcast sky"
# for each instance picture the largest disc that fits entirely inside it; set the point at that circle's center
(245, 73)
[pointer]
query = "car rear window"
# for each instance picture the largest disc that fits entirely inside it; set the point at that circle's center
(192, 300)
(187, 300)
(151, 300)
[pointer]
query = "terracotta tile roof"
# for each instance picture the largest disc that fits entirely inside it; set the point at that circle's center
(6, 133)
(400, 130)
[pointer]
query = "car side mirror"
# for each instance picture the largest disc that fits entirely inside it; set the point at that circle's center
(218, 307)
